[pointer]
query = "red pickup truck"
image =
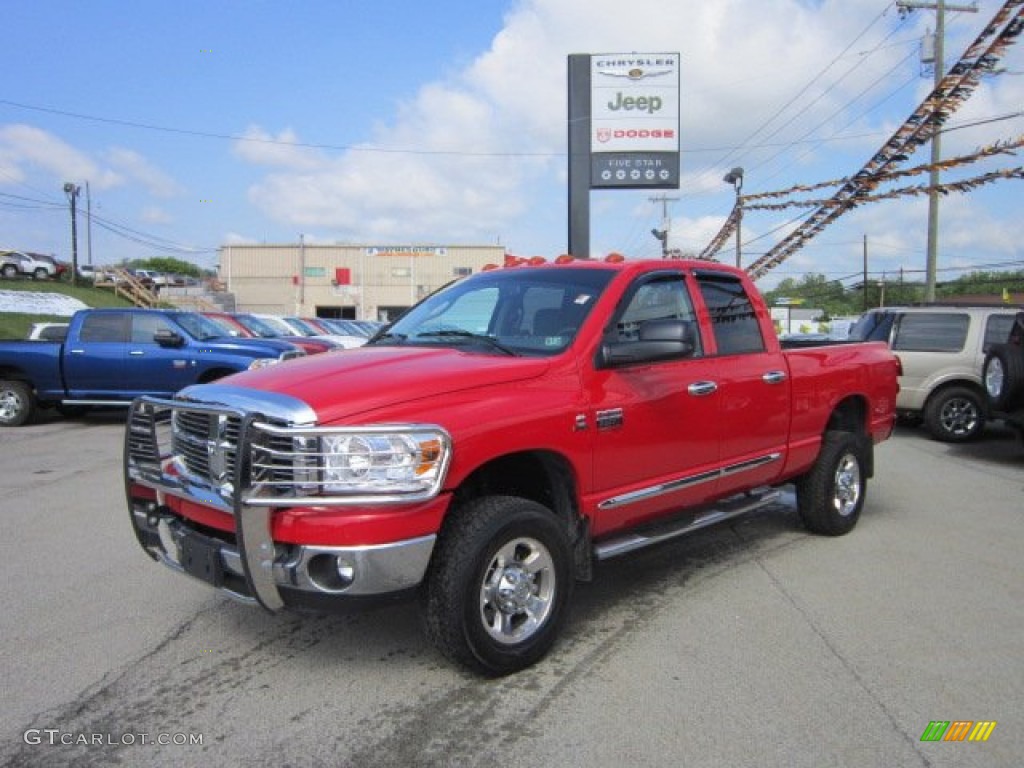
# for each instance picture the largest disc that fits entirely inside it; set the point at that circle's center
(494, 443)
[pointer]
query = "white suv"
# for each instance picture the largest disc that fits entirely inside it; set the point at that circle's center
(942, 349)
(14, 263)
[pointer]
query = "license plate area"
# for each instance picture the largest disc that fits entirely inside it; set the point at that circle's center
(200, 557)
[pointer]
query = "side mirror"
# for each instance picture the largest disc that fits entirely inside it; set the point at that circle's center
(165, 337)
(666, 339)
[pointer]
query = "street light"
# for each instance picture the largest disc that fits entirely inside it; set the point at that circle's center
(735, 177)
(72, 191)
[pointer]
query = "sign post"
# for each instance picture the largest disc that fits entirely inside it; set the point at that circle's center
(623, 129)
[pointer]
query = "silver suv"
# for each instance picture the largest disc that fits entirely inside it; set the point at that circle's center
(942, 349)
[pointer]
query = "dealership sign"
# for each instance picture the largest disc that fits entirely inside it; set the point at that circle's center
(634, 127)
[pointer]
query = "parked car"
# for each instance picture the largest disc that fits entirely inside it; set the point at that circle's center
(60, 268)
(942, 349)
(37, 266)
(304, 327)
(147, 277)
(111, 356)
(1003, 373)
(250, 328)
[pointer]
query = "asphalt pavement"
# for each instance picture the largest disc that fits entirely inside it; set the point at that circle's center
(750, 644)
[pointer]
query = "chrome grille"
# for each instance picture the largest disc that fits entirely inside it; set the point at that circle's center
(207, 443)
(284, 464)
(145, 429)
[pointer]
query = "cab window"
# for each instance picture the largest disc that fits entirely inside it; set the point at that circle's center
(733, 318)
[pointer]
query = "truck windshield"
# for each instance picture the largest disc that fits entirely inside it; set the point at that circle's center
(199, 327)
(522, 311)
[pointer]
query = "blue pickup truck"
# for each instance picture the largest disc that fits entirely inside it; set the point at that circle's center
(111, 356)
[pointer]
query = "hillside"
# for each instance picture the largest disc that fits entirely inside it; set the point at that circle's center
(18, 312)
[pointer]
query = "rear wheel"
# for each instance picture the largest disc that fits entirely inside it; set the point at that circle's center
(830, 496)
(16, 403)
(498, 585)
(954, 415)
(40, 274)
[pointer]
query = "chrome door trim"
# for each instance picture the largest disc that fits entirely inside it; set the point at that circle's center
(686, 482)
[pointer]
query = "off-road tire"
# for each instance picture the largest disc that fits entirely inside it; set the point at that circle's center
(954, 415)
(831, 495)
(1003, 375)
(498, 585)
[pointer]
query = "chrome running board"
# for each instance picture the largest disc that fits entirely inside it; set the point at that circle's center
(734, 506)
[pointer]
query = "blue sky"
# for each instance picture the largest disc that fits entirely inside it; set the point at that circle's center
(199, 124)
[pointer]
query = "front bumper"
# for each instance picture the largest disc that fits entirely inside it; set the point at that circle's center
(286, 574)
(178, 511)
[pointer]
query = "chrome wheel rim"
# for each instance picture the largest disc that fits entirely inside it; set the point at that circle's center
(959, 416)
(846, 493)
(10, 404)
(517, 594)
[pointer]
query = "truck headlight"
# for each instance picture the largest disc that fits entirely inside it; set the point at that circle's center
(399, 462)
(262, 362)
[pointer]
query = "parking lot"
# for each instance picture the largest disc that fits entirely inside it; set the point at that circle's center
(753, 643)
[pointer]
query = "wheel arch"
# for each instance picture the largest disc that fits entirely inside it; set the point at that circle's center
(852, 415)
(976, 387)
(212, 374)
(13, 373)
(543, 476)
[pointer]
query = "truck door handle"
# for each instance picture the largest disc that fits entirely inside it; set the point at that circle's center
(702, 388)
(77, 351)
(774, 377)
(137, 352)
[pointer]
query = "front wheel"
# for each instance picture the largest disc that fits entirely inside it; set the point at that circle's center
(831, 495)
(16, 403)
(498, 585)
(954, 415)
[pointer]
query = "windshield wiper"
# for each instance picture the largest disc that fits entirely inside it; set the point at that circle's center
(395, 337)
(470, 336)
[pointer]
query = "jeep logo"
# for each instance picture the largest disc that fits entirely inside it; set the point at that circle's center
(648, 104)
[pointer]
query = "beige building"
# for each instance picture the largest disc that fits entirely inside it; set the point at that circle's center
(364, 282)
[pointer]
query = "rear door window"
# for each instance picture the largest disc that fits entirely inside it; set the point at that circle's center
(931, 332)
(733, 318)
(997, 330)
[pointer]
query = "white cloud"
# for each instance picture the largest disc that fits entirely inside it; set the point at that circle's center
(259, 147)
(135, 167)
(485, 147)
(24, 145)
(153, 215)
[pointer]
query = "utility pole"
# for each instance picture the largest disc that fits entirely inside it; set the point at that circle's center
(939, 70)
(864, 289)
(88, 224)
(72, 190)
(666, 223)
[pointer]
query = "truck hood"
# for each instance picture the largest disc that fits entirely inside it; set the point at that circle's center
(340, 384)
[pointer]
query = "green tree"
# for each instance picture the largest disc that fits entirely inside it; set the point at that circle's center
(815, 291)
(169, 266)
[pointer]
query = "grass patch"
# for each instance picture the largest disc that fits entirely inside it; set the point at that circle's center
(15, 325)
